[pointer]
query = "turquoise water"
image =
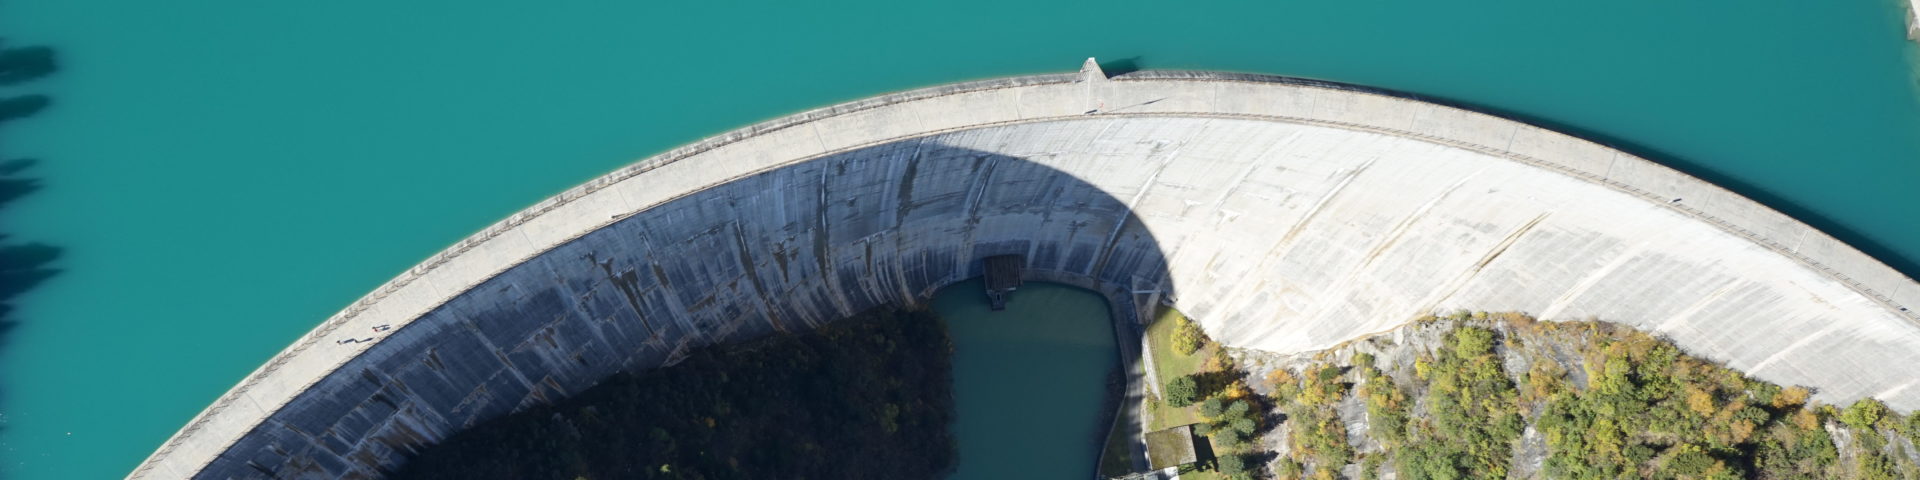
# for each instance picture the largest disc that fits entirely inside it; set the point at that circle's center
(224, 174)
(1028, 381)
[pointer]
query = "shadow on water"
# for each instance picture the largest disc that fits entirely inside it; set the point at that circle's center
(23, 266)
(1121, 66)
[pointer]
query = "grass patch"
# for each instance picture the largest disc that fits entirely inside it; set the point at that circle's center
(1165, 416)
(1168, 363)
(1191, 473)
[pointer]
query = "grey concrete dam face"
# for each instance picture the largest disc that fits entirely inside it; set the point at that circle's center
(784, 250)
(1284, 215)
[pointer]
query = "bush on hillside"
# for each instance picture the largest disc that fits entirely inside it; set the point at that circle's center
(1182, 391)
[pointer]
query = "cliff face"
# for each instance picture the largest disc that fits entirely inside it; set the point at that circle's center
(1505, 396)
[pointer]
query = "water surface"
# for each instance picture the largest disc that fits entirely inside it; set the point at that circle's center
(1029, 381)
(225, 174)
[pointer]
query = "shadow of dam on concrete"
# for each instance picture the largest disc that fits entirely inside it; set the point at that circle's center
(779, 251)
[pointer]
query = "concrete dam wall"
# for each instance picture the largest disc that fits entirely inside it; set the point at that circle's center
(1284, 215)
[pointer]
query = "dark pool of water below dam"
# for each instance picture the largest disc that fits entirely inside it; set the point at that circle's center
(1030, 381)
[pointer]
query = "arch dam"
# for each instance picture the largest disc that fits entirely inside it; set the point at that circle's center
(1283, 214)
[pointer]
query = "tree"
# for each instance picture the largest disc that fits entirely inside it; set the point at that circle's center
(1182, 391)
(1233, 464)
(1242, 425)
(1238, 409)
(1212, 407)
(1187, 337)
(1791, 396)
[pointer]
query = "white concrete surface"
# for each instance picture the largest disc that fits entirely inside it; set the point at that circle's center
(1913, 20)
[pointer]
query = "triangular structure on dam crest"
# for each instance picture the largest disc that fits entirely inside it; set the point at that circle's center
(1090, 71)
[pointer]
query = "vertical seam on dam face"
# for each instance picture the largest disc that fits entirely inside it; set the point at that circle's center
(1040, 124)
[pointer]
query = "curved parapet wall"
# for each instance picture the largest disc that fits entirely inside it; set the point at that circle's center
(1284, 214)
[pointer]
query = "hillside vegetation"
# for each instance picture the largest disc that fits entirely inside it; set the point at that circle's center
(1203, 387)
(1503, 396)
(867, 397)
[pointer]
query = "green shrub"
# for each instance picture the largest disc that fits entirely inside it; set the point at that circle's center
(1786, 451)
(1318, 433)
(1328, 374)
(1386, 409)
(1687, 461)
(1182, 390)
(1287, 468)
(1913, 428)
(1370, 467)
(1470, 341)
(1473, 410)
(1863, 414)
(1323, 386)
(1763, 392)
(1875, 466)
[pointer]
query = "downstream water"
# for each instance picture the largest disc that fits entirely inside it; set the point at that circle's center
(224, 174)
(1029, 380)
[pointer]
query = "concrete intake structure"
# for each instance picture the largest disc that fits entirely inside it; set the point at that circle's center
(1283, 214)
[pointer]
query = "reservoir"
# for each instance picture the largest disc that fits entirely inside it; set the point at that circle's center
(1029, 381)
(222, 175)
